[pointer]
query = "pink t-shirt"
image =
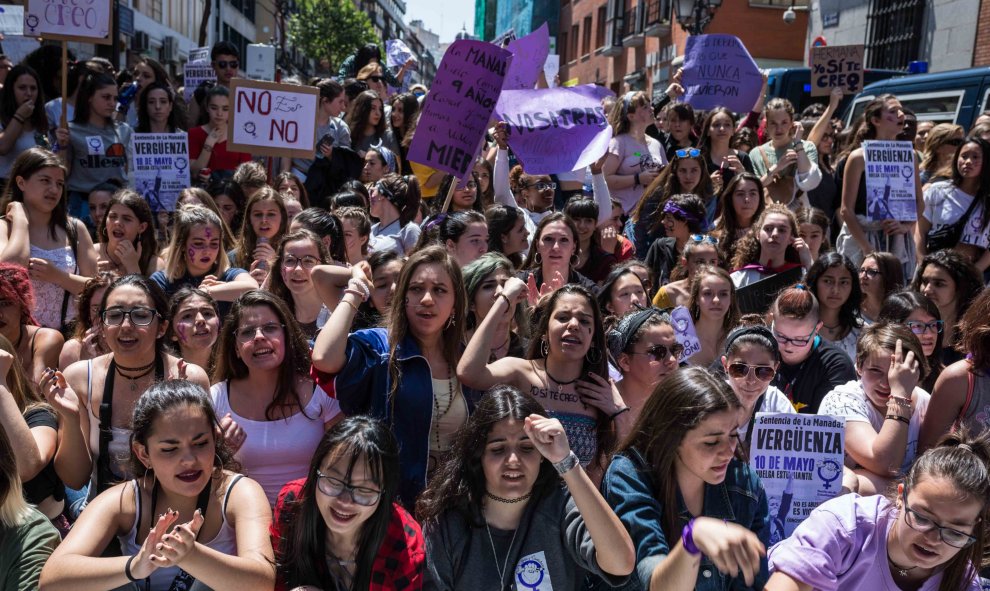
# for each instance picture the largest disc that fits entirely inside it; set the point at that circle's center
(635, 158)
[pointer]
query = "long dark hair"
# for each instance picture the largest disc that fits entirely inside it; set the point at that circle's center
(175, 120)
(158, 300)
(557, 216)
(247, 241)
(8, 102)
(359, 114)
(459, 484)
(677, 405)
(302, 551)
(728, 221)
(138, 205)
(849, 312)
(983, 191)
(90, 85)
(896, 309)
(26, 165)
(501, 220)
(969, 281)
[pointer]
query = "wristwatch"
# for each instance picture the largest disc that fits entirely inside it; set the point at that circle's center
(567, 464)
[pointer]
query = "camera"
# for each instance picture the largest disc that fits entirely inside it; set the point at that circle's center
(789, 15)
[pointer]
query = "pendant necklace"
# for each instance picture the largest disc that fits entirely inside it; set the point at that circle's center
(134, 379)
(900, 570)
(505, 563)
(560, 384)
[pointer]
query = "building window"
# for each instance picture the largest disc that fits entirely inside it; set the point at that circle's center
(894, 33)
(779, 3)
(586, 36)
(563, 49)
(600, 27)
(574, 42)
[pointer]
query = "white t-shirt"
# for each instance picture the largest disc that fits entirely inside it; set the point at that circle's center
(773, 401)
(945, 204)
(849, 401)
(635, 158)
(393, 237)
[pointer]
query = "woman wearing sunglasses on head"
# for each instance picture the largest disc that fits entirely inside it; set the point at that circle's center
(930, 535)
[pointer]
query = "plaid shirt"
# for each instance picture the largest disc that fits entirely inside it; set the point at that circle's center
(401, 558)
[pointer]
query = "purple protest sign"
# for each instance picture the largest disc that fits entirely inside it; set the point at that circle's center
(555, 130)
(457, 108)
(529, 53)
(719, 72)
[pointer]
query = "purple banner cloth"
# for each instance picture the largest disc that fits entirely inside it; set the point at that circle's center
(459, 105)
(719, 72)
(555, 130)
(529, 53)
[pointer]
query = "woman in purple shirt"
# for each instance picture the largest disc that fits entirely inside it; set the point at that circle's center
(933, 531)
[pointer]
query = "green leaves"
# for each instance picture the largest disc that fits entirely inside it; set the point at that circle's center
(333, 29)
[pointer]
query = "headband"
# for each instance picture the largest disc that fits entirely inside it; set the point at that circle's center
(387, 155)
(753, 330)
(618, 338)
(671, 207)
(388, 194)
(434, 222)
(627, 102)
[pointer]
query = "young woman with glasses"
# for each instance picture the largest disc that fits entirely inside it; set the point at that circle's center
(949, 280)
(930, 535)
(95, 398)
(922, 317)
(291, 279)
(341, 526)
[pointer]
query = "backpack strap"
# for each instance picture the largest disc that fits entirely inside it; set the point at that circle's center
(73, 234)
(971, 379)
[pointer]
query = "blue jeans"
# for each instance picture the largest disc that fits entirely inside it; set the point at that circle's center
(75, 501)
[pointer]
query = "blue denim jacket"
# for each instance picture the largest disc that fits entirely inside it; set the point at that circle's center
(628, 487)
(363, 386)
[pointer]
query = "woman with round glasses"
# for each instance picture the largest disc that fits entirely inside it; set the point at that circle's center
(930, 535)
(922, 317)
(95, 398)
(341, 526)
(261, 380)
(465, 197)
(884, 408)
(291, 280)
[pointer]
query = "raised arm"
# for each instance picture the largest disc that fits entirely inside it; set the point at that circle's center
(850, 189)
(824, 122)
(73, 462)
(15, 242)
(26, 453)
(330, 348)
(599, 189)
(474, 370)
(500, 171)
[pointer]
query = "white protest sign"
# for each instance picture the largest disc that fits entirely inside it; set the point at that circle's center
(87, 21)
(199, 55)
(799, 460)
(684, 331)
(551, 68)
(890, 181)
(398, 53)
(272, 119)
(17, 47)
(160, 164)
(261, 62)
(11, 20)
(836, 66)
(194, 75)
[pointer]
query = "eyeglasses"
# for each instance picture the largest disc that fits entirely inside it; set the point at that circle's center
(796, 341)
(334, 487)
(376, 78)
(290, 262)
(871, 273)
(471, 185)
(920, 523)
(139, 316)
(247, 333)
(764, 373)
(688, 153)
(704, 238)
(935, 326)
(956, 141)
(541, 186)
(661, 352)
(223, 65)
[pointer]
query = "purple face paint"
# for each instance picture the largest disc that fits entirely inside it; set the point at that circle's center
(181, 329)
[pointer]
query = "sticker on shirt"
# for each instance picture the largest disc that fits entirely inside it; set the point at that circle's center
(974, 232)
(533, 574)
(94, 145)
(117, 150)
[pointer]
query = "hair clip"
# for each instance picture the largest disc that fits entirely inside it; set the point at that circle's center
(801, 286)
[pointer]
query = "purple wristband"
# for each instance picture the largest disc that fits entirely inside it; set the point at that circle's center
(687, 539)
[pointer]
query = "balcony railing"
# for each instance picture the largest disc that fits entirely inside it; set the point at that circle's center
(657, 20)
(632, 34)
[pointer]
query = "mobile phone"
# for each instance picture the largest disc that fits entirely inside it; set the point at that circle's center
(326, 140)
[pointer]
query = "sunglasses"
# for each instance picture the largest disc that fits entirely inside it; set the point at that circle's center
(688, 153)
(704, 238)
(542, 186)
(871, 273)
(661, 352)
(223, 65)
(764, 373)
(376, 78)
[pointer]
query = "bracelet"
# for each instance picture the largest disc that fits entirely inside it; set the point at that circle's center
(508, 303)
(612, 416)
(636, 179)
(355, 293)
(899, 418)
(902, 402)
(361, 287)
(19, 119)
(207, 147)
(567, 464)
(687, 539)
(351, 304)
(127, 569)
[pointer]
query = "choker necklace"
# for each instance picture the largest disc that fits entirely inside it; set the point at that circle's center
(560, 384)
(508, 501)
(900, 570)
(142, 368)
(133, 379)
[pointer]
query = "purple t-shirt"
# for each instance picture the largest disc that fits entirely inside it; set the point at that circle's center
(843, 545)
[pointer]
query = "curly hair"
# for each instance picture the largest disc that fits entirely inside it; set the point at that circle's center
(969, 281)
(748, 250)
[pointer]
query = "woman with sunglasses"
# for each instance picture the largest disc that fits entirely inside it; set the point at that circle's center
(930, 535)
(714, 310)
(787, 165)
(465, 197)
(634, 159)
(681, 217)
(95, 398)
(834, 281)
(810, 366)
(883, 409)
(395, 202)
(922, 317)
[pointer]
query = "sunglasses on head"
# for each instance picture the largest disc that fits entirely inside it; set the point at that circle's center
(704, 238)
(764, 373)
(956, 141)
(376, 78)
(223, 65)
(688, 153)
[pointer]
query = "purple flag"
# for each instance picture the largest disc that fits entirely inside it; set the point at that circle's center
(719, 72)
(459, 105)
(555, 130)
(529, 53)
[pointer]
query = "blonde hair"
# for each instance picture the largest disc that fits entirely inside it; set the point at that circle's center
(14, 510)
(186, 217)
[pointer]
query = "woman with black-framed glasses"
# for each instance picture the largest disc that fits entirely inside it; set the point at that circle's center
(342, 522)
(922, 317)
(931, 535)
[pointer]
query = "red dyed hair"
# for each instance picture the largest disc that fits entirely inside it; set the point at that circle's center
(15, 286)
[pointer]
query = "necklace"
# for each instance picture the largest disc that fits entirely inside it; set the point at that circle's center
(134, 379)
(142, 368)
(437, 413)
(20, 336)
(509, 501)
(900, 569)
(495, 350)
(560, 384)
(505, 563)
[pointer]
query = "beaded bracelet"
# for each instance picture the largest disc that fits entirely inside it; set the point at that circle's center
(355, 293)
(900, 419)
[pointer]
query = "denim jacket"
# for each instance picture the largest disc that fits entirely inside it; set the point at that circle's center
(363, 386)
(629, 488)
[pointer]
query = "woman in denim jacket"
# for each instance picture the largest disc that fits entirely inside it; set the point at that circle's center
(696, 513)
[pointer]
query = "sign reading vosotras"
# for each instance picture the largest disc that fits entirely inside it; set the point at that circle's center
(272, 119)
(160, 162)
(799, 459)
(838, 66)
(83, 20)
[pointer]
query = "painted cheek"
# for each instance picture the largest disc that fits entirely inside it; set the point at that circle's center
(181, 330)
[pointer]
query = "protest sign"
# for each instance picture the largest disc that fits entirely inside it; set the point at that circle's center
(199, 55)
(551, 68)
(88, 22)
(272, 119)
(458, 107)
(529, 53)
(194, 75)
(890, 181)
(719, 72)
(260, 62)
(160, 163)
(505, 37)
(553, 130)
(398, 53)
(836, 66)
(11, 20)
(685, 332)
(756, 298)
(799, 460)
(17, 47)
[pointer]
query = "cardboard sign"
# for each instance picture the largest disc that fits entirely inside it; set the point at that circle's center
(551, 68)
(684, 331)
(272, 119)
(890, 181)
(260, 62)
(11, 20)
(87, 21)
(799, 460)
(837, 66)
(160, 163)
(554, 130)
(458, 107)
(719, 72)
(199, 55)
(529, 53)
(194, 75)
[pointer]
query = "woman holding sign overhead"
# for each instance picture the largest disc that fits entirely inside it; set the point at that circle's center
(208, 142)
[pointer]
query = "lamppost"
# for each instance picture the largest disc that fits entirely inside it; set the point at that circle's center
(694, 15)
